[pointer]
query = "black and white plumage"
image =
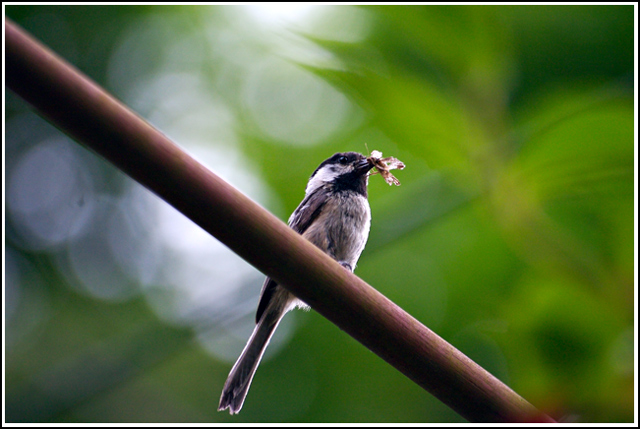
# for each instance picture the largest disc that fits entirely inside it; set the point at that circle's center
(335, 216)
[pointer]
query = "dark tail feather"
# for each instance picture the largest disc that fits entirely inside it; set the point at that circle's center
(237, 384)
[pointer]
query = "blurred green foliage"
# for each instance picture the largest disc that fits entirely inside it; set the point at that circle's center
(512, 235)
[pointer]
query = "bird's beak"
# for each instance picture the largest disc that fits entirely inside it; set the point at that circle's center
(363, 166)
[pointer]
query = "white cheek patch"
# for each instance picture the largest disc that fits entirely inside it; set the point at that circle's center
(326, 175)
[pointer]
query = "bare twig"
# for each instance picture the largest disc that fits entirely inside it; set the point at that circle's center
(93, 117)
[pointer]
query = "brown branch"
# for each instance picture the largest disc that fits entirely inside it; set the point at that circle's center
(86, 112)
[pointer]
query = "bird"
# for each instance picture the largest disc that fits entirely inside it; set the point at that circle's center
(335, 216)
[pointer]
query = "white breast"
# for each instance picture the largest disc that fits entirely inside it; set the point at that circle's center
(342, 229)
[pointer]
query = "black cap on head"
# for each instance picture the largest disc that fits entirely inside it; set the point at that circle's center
(343, 158)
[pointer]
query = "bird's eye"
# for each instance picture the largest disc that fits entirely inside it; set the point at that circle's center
(343, 160)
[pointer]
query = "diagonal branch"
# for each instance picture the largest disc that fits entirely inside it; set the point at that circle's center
(86, 112)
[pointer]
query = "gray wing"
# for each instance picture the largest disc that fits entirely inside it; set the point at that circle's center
(302, 217)
(308, 210)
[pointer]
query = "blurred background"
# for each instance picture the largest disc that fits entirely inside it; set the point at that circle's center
(512, 235)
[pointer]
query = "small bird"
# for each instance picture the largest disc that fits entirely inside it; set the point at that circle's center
(336, 217)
